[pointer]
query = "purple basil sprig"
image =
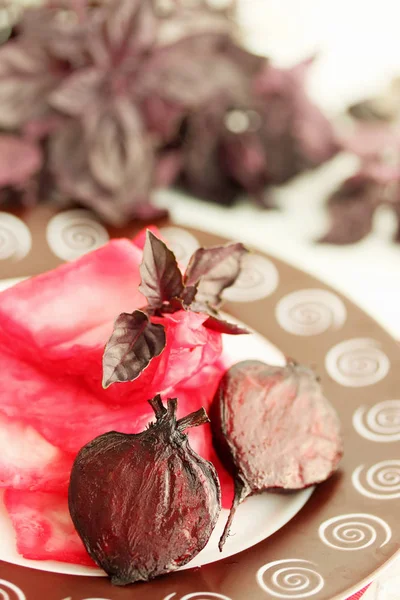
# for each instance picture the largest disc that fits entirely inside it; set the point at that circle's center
(135, 340)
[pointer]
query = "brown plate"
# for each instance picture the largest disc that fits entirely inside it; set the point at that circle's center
(349, 528)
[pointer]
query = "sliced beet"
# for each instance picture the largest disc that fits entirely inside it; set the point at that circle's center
(145, 504)
(275, 429)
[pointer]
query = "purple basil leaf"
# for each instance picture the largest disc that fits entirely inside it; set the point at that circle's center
(162, 117)
(189, 294)
(352, 209)
(120, 31)
(61, 33)
(168, 167)
(245, 161)
(117, 147)
(222, 326)
(106, 163)
(294, 132)
(213, 270)
(19, 160)
(77, 92)
(196, 21)
(161, 277)
(203, 173)
(170, 307)
(134, 342)
(27, 75)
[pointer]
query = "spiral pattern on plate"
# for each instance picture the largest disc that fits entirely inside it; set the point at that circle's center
(357, 362)
(9, 591)
(380, 423)
(381, 481)
(182, 243)
(258, 279)
(73, 233)
(15, 238)
(310, 312)
(355, 532)
(291, 578)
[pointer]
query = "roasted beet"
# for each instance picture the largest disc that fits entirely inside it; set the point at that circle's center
(144, 504)
(275, 428)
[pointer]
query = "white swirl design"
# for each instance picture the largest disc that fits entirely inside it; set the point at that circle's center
(73, 233)
(354, 532)
(310, 312)
(380, 423)
(292, 578)
(381, 481)
(198, 596)
(258, 279)
(357, 362)
(6, 587)
(181, 242)
(15, 238)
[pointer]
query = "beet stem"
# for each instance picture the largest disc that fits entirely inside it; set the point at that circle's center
(172, 404)
(158, 406)
(199, 417)
(241, 493)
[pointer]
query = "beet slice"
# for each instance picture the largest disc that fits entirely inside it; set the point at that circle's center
(44, 528)
(145, 504)
(275, 429)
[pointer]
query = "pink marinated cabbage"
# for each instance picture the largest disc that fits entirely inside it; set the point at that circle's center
(54, 329)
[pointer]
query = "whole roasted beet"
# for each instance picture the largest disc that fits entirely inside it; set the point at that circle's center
(275, 428)
(144, 504)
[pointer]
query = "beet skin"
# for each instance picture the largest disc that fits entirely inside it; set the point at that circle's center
(144, 504)
(275, 429)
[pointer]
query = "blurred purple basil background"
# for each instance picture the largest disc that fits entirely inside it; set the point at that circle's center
(101, 103)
